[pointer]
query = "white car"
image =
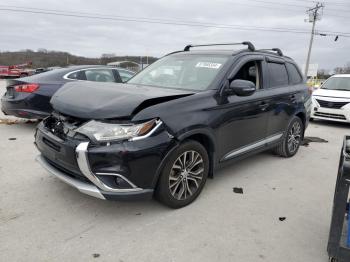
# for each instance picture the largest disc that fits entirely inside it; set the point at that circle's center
(332, 100)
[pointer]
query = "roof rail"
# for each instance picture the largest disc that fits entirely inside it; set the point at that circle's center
(251, 47)
(277, 50)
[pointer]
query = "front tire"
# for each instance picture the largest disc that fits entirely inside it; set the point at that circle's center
(184, 175)
(292, 138)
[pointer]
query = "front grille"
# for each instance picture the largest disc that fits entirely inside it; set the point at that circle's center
(328, 115)
(331, 104)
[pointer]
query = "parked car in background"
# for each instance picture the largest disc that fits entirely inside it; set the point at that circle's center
(29, 97)
(53, 68)
(332, 100)
(15, 71)
(170, 126)
(40, 70)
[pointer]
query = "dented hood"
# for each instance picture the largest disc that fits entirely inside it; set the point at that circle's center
(93, 100)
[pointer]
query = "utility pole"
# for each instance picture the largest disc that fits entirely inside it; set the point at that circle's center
(314, 15)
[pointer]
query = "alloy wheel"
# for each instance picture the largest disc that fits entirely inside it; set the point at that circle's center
(294, 137)
(186, 175)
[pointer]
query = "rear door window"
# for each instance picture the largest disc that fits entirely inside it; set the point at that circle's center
(278, 74)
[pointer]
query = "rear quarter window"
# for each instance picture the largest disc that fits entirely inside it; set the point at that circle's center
(277, 74)
(73, 75)
(124, 75)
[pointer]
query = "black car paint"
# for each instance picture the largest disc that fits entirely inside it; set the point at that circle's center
(223, 123)
(37, 104)
(105, 99)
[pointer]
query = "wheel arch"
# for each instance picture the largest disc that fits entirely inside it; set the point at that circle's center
(206, 139)
(302, 116)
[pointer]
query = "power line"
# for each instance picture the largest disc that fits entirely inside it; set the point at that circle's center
(325, 2)
(278, 3)
(155, 21)
(335, 15)
(245, 4)
(294, 5)
(338, 10)
(104, 15)
(160, 21)
(337, 3)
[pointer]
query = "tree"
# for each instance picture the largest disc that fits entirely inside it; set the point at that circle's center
(42, 50)
(107, 58)
(58, 58)
(323, 74)
(343, 70)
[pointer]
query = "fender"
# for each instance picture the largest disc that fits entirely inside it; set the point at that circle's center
(212, 141)
(178, 139)
(162, 163)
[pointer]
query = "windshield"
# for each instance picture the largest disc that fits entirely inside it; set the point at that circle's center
(189, 72)
(337, 83)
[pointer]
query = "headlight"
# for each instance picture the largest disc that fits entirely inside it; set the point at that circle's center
(111, 132)
(314, 102)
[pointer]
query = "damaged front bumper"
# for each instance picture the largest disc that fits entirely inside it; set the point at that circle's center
(123, 170)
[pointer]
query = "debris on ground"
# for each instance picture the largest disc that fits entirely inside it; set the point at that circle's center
(309, 139)
(8, 121)
(238, 190)
(12, 138)
(31, 121)
(96, 255)
(282, 218)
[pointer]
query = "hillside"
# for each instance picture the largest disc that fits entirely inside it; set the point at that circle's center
(44, 58)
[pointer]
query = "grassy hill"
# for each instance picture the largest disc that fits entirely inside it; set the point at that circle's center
(44, 58)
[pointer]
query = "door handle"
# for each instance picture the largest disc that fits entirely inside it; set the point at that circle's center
(264, 105)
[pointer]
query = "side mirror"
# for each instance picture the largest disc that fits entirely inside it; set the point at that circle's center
(242, 87)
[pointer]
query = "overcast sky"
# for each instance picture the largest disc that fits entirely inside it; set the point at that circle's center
(92, 37)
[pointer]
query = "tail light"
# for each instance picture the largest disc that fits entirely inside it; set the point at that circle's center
(26, 88)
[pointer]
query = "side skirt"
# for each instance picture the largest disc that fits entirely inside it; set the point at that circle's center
(252, 147)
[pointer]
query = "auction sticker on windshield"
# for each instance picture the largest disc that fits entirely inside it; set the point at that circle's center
(208, 65)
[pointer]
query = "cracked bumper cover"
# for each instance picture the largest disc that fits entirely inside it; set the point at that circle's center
(136, 163)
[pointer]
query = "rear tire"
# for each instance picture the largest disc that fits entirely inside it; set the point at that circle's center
(184, 175)
(292, 138)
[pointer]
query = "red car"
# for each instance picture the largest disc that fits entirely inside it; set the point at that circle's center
(15, 71)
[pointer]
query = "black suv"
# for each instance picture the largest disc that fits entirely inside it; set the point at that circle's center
(166, 130)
